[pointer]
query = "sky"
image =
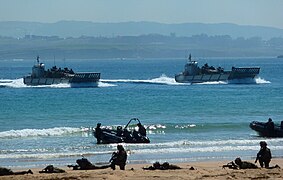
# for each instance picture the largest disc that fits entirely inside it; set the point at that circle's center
(242, 12)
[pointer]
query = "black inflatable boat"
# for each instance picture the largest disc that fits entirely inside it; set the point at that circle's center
(262, 130)
(120, 135)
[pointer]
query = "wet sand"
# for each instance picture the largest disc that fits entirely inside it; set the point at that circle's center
(202, 170)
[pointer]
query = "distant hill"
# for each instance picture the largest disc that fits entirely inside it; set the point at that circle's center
(84, 28)
(88, 40)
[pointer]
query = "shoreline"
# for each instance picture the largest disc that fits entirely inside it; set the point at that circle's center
(202, 170)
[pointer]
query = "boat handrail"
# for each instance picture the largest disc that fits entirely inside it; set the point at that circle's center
(135, 119)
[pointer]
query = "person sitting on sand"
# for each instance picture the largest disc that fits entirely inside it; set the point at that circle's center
(264, 155)
(119, 158)
(6, 171)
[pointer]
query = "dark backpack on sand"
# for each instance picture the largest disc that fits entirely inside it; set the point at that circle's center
(5, 171)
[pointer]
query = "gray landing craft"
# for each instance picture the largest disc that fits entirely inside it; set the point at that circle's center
(40, 76)
(194, 74)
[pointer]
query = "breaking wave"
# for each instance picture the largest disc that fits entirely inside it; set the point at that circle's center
(57, 131)
(152, 129)
(181, 146)
(50, 155)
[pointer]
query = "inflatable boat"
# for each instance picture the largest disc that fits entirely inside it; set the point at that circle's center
(120, 135)
(262, 130)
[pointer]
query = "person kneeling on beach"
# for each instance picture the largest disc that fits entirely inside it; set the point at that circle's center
(119, 158)
(264, 155)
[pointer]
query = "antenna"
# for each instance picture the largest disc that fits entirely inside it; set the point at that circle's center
(54, 60)
(37, 59)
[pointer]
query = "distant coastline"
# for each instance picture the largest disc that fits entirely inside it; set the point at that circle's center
(137, 47)
(67, 29)
(137, 40)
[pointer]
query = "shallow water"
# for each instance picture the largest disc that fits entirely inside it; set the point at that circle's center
(185, 122)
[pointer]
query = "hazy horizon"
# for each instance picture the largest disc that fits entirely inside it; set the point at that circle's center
(240, 12)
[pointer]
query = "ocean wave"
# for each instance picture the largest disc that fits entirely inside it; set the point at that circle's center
(151, 128)
(51, 155)
(57, 131)
(178, 127)
(136, 150)
(201, 149)
(206, 144)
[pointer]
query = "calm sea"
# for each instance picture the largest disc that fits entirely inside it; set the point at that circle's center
(185, 122)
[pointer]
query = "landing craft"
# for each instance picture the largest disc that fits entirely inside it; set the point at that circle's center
(194, 74)
(40, 76)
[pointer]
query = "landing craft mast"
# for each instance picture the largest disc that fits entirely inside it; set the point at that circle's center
(190, 57)
(37, 59)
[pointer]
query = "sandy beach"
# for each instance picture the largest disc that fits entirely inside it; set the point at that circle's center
(202, 170)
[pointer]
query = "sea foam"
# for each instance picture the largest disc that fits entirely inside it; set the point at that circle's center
(162, 80)
(261, 81)
(57, 131)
